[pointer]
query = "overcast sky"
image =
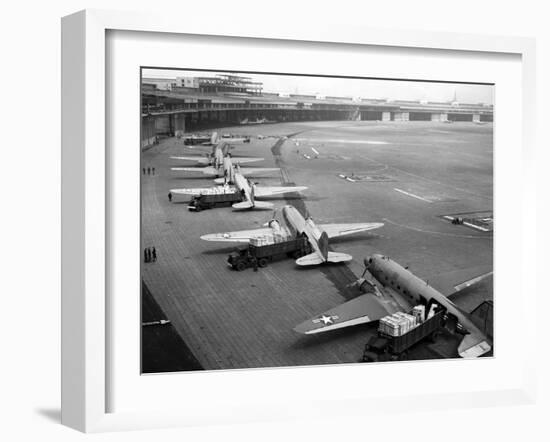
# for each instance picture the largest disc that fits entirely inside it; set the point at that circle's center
(365, 88)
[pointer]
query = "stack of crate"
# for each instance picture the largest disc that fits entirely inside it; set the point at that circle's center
(263, 240)
(397, 324)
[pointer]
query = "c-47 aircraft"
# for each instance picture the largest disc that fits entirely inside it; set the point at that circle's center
(219, 150)
(393, 289)
(194, 141)
(290, 220)
(249, 192)
(224, 168)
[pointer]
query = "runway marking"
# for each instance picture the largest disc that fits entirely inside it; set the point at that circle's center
(427, 179)
(483, 229)
(432, 232)
(412, 195)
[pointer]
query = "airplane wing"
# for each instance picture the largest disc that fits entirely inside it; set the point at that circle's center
(361, 310)
(211, 171)
(335, 230)
(474, 345)
(244, 160)
(239, 236)
(455, 280)
(376, 302)
(257, 170)
(198, 160)
(269, 191)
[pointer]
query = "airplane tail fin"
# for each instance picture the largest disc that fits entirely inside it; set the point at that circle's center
(473, 345)
(310, 260)
(243, 205)
(338, 257)
(323, 255)
(315, 258)
(249, 205)
(323, 245)
(263, 205)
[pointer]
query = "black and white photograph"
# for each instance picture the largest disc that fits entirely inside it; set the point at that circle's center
(293, 220)
(275, 221)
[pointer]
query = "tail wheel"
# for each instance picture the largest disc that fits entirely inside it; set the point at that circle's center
(262, 262)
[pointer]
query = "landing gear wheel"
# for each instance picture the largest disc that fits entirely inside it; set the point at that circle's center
(240, 266)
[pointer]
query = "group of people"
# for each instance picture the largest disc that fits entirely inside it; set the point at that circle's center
(149, 171)
(150, 254)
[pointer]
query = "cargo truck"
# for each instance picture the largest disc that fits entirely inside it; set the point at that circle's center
(210, 200)
(384, 347)
(261, 255)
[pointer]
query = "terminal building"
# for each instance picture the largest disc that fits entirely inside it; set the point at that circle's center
(171, 107)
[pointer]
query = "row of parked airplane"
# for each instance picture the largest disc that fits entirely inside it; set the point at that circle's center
(219, 163)
(387, 286)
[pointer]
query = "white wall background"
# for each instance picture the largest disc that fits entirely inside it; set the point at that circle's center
(30, 207)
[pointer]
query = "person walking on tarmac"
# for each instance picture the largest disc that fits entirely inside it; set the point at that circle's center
(148, 171)
(144, 171)
(153, 169)
(145, 255)
(154, 253)
(170, 196)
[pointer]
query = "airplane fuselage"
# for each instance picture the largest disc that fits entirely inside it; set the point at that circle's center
(242, 184)
(297, 223)
(390, 274)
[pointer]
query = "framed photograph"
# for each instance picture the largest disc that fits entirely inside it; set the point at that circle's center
(260, 221)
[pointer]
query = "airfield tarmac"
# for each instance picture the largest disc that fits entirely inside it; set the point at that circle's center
(412, 173)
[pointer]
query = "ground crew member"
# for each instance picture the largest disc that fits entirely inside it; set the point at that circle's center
(170, 196)
(145, 255)
(154, 254)
(153, 170)
(144, 171)
(148, 171)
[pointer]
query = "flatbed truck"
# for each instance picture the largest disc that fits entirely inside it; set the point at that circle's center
(262, 255)
(209, 201)
(384, 347)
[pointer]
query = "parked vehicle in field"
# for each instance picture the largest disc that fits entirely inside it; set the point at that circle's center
(261, 255)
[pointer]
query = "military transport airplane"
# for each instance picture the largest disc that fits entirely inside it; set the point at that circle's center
(225, 169)
(194, 141)
(393, 288)
(219, 150)
(289, 220)
(249, 192)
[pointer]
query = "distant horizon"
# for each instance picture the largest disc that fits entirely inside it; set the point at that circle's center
(386, 89)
